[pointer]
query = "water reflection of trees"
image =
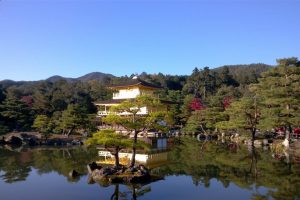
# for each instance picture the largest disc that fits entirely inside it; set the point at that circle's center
(13, 168)
(244, 167)
(227, 163)
(131, 191)
(16, 166)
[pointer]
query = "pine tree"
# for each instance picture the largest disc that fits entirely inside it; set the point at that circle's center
(41, 123)
(113, 142)
(74, 117)
(136, 123)
(279, 90)
(16, 114)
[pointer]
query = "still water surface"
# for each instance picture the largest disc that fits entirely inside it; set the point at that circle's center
(193, 170)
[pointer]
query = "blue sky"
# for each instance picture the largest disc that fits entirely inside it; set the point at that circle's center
(41, 38)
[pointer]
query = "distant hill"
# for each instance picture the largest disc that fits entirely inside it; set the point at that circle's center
(7, 83)
(88, 77)
(243, 73)
(95, 76)
(237, 69)
(58, 78)
(102, 77)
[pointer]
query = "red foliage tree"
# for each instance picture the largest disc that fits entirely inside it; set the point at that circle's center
(28, 100)
(197, 104)
(227, 101)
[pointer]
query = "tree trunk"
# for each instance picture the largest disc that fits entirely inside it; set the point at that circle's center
(253, 134)
(70, 132)
(132, 163)
(203, 130)
(290, 131)
(117, 160)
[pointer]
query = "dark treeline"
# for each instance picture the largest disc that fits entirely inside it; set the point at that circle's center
(64, 105)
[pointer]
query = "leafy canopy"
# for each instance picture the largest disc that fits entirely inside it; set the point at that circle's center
(110, 139)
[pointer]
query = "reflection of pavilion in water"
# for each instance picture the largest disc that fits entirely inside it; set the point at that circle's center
(156, 156)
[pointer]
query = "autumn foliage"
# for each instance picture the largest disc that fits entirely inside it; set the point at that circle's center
(197, 104)
(227, 101)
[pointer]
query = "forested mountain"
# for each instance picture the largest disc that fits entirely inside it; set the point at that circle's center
(244, 73)
(99, 76)
(59, 78)
(8, 83)
(102, 77)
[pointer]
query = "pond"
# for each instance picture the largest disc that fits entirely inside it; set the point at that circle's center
(192, 170)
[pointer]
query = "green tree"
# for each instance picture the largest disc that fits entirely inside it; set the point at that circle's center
(3, 127)
(136, 123)
(186, 109)
(174, 111)
(16, 114)
(73, 118)
(99, 91)
(113, 142)
(41, 98)
(206, 118)
(215, 111)
(279, 89)
(201, 83)
(194, 123)
(226, 78)
(243, 114)
(42, 123)
(2, 95)
(55, 123)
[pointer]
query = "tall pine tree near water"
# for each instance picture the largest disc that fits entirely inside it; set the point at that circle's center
(279, 90)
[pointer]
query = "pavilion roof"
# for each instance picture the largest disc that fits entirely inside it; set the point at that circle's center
(136, 82)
